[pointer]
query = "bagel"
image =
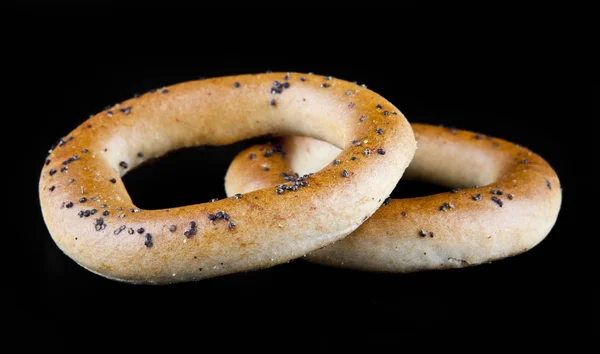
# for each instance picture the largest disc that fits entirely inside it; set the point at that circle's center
(93, 220)
(513, 209)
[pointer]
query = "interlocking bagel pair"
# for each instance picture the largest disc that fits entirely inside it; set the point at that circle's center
(269, 219)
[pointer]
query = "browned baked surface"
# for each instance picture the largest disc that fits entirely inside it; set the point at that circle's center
(513, 209)
(94, 221)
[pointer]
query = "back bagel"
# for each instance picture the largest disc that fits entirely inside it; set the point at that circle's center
(513, 209)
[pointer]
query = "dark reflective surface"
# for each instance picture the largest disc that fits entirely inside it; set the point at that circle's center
(196, 175)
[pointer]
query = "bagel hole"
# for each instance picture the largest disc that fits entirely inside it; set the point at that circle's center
(184, 177)
(413, 189)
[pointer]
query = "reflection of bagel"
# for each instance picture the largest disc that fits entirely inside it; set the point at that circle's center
(514, 208)
(93, 220)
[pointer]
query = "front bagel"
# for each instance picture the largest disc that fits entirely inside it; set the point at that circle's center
(93, 220)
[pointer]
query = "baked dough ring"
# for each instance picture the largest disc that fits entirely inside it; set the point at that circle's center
(513, 210)
(94, 221)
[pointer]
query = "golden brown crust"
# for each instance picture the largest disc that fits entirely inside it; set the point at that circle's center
(107, 234)
(447, 230)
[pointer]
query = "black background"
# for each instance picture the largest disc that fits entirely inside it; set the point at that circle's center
(67, 68)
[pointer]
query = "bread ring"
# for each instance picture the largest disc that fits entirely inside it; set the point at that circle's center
(513, 210)
(93, 220)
